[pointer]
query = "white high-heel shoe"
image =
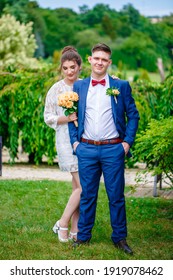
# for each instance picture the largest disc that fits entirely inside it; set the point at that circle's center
(56, 229)
(72, 236)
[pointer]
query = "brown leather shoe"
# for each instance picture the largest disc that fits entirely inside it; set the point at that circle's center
(79, 242)
(122, 244)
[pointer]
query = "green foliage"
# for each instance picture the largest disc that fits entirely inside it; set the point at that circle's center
(144, 50)
(146, 96)
(166, 99)
(83, 41)
(108, 27)
(164, 42)
(133, 15)
(28, 11)
(18, 9)
(153, 100)
(62, 25)
(21, 113)
(95, 15)
(53, 29)
(17, 43)
(142, 75)
(155, 147)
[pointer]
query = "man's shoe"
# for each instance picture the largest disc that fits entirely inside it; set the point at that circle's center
(122, 244)
(79, 242)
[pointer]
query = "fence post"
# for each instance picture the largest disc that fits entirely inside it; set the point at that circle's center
(0, 155)
(155, 186)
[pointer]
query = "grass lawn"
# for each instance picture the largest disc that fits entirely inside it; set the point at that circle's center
(29, 209)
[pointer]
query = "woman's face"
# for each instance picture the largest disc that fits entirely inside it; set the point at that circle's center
(70, 70)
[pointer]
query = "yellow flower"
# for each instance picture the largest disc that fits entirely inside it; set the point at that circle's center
(60, 102)
(68, 101)
(69, 104)
(115, 91)
(66, 97)
(112, 91)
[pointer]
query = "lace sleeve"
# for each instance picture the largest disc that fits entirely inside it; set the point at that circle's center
(51, 108)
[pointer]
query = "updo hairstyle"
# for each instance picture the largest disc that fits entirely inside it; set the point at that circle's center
(70, 53)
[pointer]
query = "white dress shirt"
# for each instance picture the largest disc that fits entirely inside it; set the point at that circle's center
(99, 123)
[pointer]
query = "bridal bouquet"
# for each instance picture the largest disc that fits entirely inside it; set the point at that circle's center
(68, 101)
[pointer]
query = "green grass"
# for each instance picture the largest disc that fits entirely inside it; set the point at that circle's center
(29, 209)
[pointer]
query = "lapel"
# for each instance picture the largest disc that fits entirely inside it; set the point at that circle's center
(113, 83)
(84, 91)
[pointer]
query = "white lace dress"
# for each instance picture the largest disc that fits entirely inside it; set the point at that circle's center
(66, 160)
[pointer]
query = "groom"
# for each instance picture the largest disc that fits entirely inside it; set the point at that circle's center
(106, 130)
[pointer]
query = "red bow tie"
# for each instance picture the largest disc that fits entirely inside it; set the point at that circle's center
(102, 82)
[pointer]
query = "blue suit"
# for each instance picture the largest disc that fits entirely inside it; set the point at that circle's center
(107, 159)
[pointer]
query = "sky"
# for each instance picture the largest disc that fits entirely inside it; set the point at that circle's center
(145, 7)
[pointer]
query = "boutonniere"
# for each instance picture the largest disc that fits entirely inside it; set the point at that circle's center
(113, 91)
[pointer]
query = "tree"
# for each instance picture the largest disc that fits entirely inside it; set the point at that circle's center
(123, 26)
(17, 8)
(94, 16)
(61, 28)
(143, 49)
(26, 11)
(132, 14)
(83, 36)
(55, 28)
(167, 34)
(2, 6)
(108, 27)
(17, 43)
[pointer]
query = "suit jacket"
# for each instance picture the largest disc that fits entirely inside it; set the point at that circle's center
(124, 112)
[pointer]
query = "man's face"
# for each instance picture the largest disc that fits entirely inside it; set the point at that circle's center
(100, 62)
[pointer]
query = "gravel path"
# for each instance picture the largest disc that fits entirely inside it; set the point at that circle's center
(32, 172)
(24, 171)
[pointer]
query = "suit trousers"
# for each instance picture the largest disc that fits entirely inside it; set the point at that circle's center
(94, 161)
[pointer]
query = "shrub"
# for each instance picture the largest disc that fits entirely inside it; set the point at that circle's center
(22, 101)
(17, 43)
(154, 146)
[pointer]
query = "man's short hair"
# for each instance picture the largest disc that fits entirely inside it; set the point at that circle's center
(101, 47)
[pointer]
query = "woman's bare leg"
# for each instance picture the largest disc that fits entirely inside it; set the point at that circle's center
(75, 216)
(72, 208)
